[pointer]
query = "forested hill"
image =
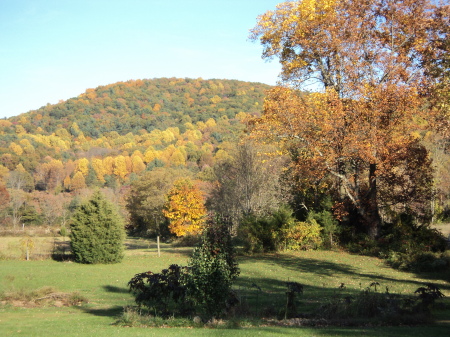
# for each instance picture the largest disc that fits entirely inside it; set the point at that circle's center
(147, 105)
(110, 135)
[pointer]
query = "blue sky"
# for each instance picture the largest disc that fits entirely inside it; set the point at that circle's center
(52, 50)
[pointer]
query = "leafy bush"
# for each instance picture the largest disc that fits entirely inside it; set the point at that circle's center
(97, 232)
(329, 225)
(212, 269)
(279, 231)
(204, 285)
(163, 293)
(303, 235)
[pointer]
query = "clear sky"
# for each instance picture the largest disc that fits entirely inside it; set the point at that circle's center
(52, 50)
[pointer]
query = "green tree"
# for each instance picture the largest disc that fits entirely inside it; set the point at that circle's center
(213, 269)
(146, 200)
(97, 232)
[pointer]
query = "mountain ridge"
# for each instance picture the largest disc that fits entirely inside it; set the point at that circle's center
(147, 104)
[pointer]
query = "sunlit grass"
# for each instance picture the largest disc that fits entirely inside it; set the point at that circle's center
(105, 287)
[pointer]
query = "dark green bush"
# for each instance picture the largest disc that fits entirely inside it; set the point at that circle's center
(329, 224)
(212, 270)
(204, 286)
(162, 293)
(97, 232)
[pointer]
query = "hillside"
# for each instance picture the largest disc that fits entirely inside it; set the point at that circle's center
(119, 130)
(138, 105)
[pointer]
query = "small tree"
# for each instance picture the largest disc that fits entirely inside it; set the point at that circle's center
(212, 269)
(97, 232)
(185, 208)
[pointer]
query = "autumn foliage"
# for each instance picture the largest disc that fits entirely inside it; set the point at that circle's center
(370, 58)
(185, 208)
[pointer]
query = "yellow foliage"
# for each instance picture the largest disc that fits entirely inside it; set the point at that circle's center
(241, 116)
(20, 168)
(82, 165)
(177, 158)
(99, 169)
(17, 149)
(78, 182)
(20, 130)
(108, 165)
(185, 208)
(216, 99)
(221, 155)
(201, 126)
(210, 123)
(138, 164)
(120, 167)
(3, 170)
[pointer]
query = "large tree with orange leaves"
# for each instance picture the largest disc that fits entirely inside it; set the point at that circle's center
(370, 58)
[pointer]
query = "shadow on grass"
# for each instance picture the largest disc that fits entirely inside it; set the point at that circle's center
(114, 289)
(327, 268)
(113, 312)
(437, 276)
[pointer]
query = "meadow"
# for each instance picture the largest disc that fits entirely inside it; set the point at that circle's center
(105, 287)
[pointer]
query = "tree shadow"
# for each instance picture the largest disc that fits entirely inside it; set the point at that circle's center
(327, 268)
(115, 289)
(114, 311)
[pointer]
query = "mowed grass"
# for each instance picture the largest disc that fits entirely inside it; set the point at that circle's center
(105, 286)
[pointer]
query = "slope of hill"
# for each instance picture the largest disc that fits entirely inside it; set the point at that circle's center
(110, 134)
(147, 104)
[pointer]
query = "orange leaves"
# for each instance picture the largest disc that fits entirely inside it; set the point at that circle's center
(347, 44)
(185, 208)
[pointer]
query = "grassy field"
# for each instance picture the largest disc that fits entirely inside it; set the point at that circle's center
(444, 228)
(321, 273)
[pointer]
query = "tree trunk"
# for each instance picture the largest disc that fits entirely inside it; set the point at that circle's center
(372, 214)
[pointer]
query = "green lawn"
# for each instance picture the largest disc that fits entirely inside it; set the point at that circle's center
(321, 273)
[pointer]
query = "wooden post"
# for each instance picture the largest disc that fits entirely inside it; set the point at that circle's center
(157, 242)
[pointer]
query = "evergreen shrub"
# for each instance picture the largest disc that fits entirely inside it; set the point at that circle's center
(97, 232)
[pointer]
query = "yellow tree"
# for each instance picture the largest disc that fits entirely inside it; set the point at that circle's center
(185, 208)
(83, 166)
(138, 164)
(17, 149)
(120, 167)
(67, 183)
(99, 169)
(78, 182)
(108, 165)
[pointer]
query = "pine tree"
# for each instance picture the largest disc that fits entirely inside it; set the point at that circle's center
(97, 232)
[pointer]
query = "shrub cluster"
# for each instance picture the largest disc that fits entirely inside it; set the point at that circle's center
(279, 231)
(204, 286)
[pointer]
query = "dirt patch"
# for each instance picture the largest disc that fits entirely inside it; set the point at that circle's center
(49, 299)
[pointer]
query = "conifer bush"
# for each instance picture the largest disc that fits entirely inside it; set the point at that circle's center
(97, 232)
